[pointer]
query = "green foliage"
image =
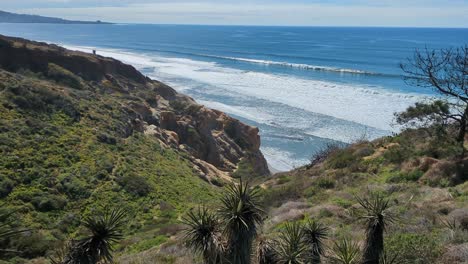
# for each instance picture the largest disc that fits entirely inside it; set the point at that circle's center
(397, 154)
(315, 234)
(63, 76)
(241, 214)
(147, 244)
(414, 248)
(412, 176)
(341, 159)
(325, 183)
(203, 235)
(244, 170)
(105, 231)
(66, 152)
(345, 251)
(291, 247)
(135, 185)
(424, 114)
(377, 217)
(283, 179)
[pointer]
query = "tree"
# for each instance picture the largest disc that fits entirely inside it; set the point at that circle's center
(291, 247)
(314, 235)
(241, 214)
(105, 230)
(446, 72)
(203, 235)
(425, 115)
(377, 217)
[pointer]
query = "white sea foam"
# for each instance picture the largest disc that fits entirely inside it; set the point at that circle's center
(299, 65)
(281, 160)
(349, 108)
(358, 103)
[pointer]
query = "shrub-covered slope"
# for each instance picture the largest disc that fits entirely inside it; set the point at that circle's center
(80, 133)
(419, 171)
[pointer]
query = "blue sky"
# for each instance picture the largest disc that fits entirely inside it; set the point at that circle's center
(409, 13)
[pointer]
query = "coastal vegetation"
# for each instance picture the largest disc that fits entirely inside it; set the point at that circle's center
(100, 164)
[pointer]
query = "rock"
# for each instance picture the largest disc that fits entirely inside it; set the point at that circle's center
(215, 142)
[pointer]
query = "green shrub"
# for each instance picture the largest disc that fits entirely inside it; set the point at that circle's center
(325, 183)
(397, 154)
(63, 76)
(135, 185)
(341, 159)
(148, 243)
(283, 179)
(6, 186)
(49, 202)
(414, 248)
(324, 213)
(400, 177)
(31, 245)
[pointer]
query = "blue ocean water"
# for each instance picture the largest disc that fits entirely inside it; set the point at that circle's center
(302, 86)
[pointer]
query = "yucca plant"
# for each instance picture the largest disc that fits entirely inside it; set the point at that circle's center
(60, 254)
(377, 217)
(241, 214)
(345, 251)
(105, 230)
(387, 258)
(315, 234)
(203, 235)
(265, 250)
(291, 248)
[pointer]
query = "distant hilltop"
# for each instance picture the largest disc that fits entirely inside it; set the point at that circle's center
(7, 17)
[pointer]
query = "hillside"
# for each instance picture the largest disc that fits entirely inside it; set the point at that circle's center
(80, 133)
(418, 171)
(7, 17)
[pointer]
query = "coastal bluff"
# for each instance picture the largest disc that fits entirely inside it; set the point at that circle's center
(214, 143)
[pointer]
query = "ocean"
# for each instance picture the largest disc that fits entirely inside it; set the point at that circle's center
(304, 87)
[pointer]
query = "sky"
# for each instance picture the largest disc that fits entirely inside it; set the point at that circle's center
(391, 13)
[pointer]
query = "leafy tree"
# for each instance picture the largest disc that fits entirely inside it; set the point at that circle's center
(105, 230)
(425, 115)
(241, 214)
(446, 72)
(203, 235)
(314, 235)
(377, 217)
(291, 248)
(345, 251)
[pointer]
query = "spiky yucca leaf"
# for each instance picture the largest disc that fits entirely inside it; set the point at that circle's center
(241, 214)
(265, 250)
(377, 217)
(345, 251)
(203, 235)
(291, 248)
(387, 258)
(105, 230)
(315, 234)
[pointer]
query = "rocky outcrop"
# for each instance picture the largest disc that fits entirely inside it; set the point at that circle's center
(214, 142)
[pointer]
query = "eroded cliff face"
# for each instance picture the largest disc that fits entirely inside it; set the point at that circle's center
(214, 142)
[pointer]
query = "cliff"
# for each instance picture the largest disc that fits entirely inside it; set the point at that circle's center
(80, 133)
(214, 142)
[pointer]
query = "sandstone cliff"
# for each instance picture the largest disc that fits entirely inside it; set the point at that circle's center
(213, 142)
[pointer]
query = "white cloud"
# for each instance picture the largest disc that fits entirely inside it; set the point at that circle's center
(337, 13)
